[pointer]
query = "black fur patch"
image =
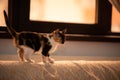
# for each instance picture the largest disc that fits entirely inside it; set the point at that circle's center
(30, 39)
(46, 47)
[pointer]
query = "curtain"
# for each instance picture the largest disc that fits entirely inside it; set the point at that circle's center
(116, 4)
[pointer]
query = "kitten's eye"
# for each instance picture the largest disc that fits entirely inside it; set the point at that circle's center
(57, 35)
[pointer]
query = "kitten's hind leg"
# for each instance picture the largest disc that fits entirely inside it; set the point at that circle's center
(20, 52)
(27, 54)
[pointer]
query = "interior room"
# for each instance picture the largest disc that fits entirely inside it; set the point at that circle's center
(92, 39)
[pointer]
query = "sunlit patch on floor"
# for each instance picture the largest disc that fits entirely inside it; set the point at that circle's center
(60, 70)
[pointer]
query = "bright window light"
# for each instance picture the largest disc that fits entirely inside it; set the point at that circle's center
(115, 20)
(3, 6)
(70, 11)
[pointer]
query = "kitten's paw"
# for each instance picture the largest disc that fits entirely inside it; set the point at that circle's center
(45, 61)
(30, 61)
(51, 60)
(22, 61)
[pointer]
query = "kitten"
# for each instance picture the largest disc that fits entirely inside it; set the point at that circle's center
(28, 43)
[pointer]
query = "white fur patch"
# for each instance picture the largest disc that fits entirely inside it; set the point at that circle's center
(54, 45)
(27, 52)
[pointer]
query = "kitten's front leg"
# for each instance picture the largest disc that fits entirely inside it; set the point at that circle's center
(44, 58)
(47, 59)
(45, 53)
(51, 60)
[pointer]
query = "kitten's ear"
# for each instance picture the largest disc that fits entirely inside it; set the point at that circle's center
(57, 30)
(50, 35)
(64, 31)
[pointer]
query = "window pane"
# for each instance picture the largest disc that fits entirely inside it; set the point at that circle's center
(3, 6)
(115, 20)
(73, 11)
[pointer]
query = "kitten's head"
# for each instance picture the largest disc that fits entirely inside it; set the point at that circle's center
(59, 36)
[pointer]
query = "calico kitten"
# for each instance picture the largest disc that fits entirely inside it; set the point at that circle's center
(28, 43)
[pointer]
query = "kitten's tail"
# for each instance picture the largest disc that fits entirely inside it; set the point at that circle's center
(10, 29)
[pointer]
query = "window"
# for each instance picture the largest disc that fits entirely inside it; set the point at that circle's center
(70, 11)
(115, 20)
(3, 6)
